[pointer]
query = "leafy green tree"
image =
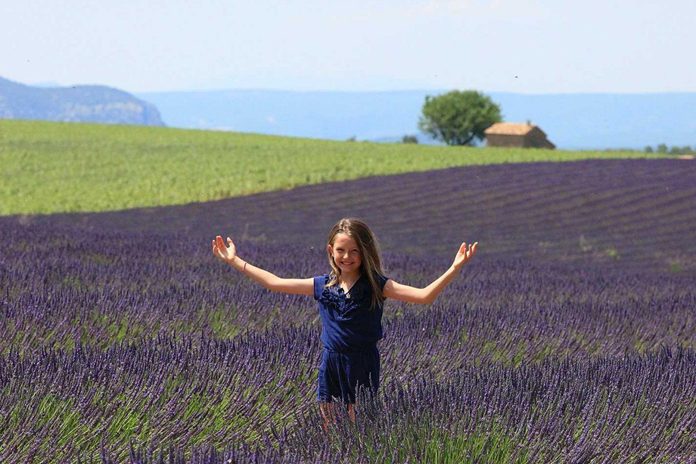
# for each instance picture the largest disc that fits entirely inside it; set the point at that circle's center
(458, 117)
(409, 139)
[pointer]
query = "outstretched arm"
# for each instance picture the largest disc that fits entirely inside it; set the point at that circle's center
(428, 294)
(228, 254)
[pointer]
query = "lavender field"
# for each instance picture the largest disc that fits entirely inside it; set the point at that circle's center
(637, 214)
(570, 338)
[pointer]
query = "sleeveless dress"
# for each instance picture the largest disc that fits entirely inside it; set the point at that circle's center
(350, 331)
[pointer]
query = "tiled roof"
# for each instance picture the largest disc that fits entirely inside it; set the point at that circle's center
(509, 128)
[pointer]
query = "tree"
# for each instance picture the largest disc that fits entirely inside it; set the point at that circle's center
(458, 117)
(409, 139)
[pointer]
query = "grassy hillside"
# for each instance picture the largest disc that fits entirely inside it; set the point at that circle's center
(57, 167)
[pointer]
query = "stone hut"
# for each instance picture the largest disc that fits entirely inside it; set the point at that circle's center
(511, 134)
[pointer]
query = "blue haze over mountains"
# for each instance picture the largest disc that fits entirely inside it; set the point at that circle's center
(571, 121)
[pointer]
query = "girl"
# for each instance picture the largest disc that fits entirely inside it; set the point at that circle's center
(350, 301)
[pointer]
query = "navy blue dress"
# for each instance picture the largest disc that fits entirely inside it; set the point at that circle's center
(350, 331)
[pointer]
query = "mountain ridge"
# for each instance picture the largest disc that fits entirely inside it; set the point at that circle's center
(80, 103)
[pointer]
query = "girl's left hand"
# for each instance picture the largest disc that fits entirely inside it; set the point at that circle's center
(464, 254)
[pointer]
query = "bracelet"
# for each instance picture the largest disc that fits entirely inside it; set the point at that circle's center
(244, 268)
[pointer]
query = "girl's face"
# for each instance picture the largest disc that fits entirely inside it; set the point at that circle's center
(345, 253)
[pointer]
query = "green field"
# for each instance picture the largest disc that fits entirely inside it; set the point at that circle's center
(66, 167)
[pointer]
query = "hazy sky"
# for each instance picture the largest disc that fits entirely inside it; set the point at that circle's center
(530, 46)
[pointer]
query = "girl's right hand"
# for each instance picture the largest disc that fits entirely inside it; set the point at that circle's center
(464, 254)
(222, 252)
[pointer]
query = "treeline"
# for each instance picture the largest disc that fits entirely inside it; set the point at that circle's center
(673, 150)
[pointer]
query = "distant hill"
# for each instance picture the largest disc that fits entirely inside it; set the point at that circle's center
(82, 103)
(572, 121)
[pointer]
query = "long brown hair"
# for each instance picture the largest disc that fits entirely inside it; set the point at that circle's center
(371, 264)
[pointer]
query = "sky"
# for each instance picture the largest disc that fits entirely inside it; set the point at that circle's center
(522, 46)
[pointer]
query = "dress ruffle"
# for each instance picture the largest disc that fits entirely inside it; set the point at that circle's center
(335, 298)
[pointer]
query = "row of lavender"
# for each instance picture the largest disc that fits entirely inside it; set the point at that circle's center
(124, 345)
(252, 396)
(623, 214)
(61, 288)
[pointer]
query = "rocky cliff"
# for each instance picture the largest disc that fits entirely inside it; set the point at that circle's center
(82, 103)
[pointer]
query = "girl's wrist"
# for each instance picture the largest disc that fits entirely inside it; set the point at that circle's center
(238, 264)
